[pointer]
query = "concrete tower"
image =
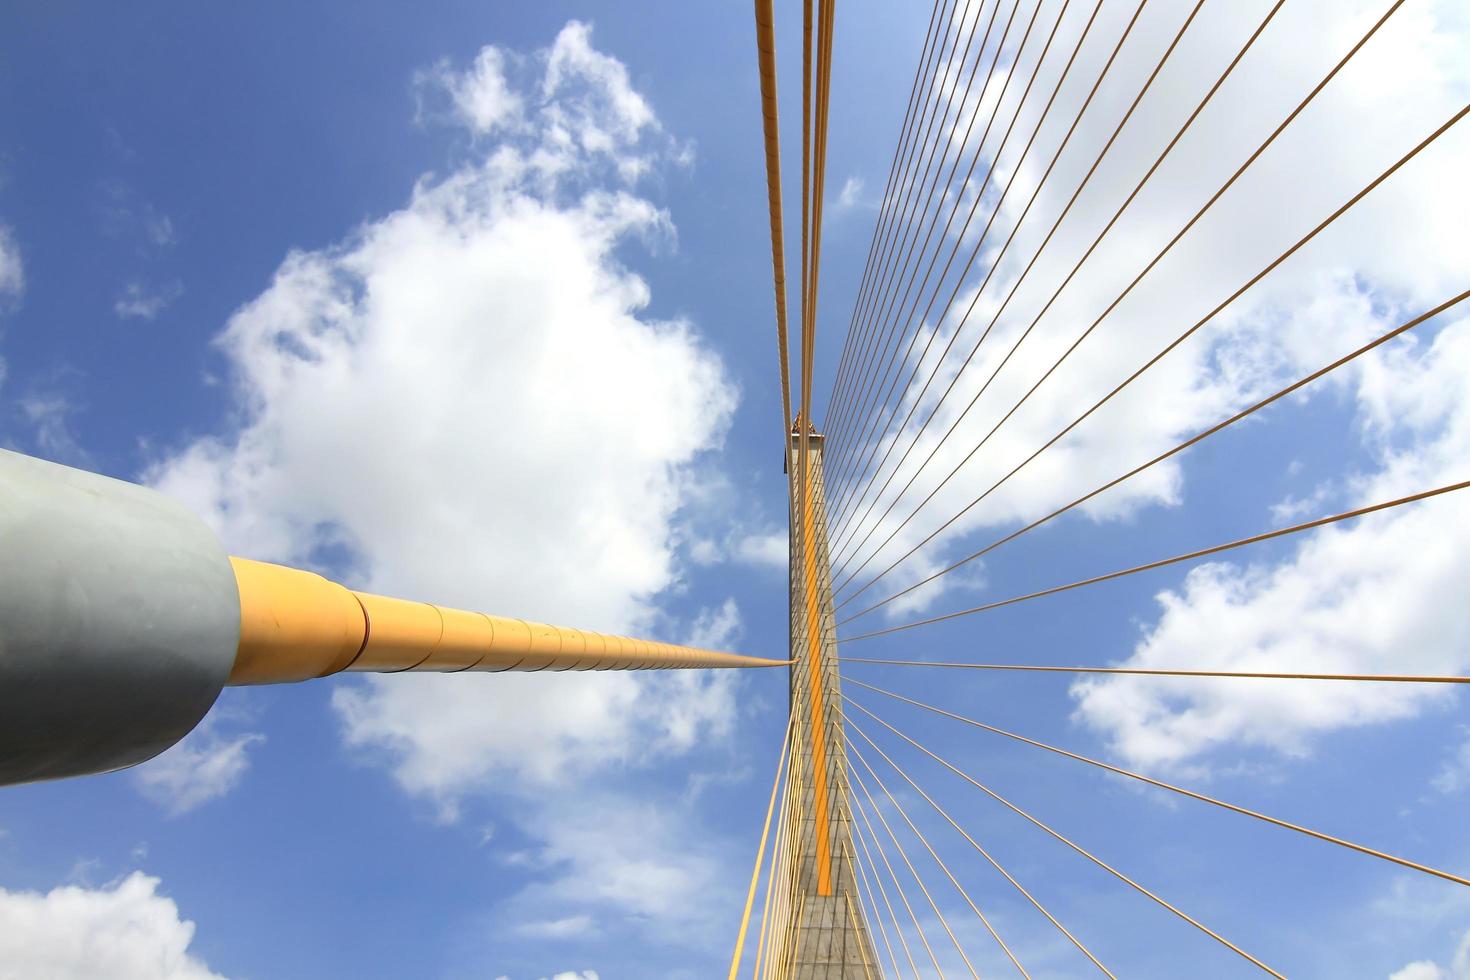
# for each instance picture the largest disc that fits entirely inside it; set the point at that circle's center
(826, 936)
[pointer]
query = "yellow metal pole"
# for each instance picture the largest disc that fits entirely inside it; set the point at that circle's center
(296, 625)
(760, 853)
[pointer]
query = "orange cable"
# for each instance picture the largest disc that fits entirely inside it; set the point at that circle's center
(872, 902)
(1402, 862)
(984, 920)
(760, 853)
(878, 327)
(1152, 263)
(1244, 413)
(765, 36)
(1163, 562)
(1159, 672)
(1020, 221)
(1076, 847)
(878, 845)
(844, 452)
(903, 143)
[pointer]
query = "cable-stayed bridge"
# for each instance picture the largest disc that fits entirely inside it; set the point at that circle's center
(1008, 190)
(928, 336)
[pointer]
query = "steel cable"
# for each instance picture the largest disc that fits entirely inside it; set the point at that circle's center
(1074, 846)
(1198, 437)
(848, 506)
(898, 230)
(1081, 186)
(1154, 262)
(1172, 560)
(1341, 842)
(878, 314)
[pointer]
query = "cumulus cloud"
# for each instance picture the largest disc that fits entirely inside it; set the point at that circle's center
(1454, 775)
(205, 765)
(1378, 596)
(12, 278)
(768, 550)
(49, 410)
(481, 97)
(851, 194)
(12, 270)
(465, 402)
(1397, 253)
(1458, 969)
(1391, 255)
(637, 862)
(716, 629)
(1418, 970)
(569, 927)
(140, 301)
(125, 931)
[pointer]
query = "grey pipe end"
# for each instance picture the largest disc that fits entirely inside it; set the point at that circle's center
(119, 621)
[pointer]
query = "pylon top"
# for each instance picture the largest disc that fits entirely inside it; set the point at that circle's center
(811, 430)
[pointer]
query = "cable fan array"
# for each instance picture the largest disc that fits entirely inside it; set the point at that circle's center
(1003, 253)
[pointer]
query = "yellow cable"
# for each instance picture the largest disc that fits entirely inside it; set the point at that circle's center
(986, 854)
(857, 834)
(873, 805)
(1157, 672)
(857, 932)
(765, 33)
(877, 845)
(1176, 559)
(1402, 862)
(954, 881)
(760, 853)
(1076, 847)
(863, 880)
(776, 846)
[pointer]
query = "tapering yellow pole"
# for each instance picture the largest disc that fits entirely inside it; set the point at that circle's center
(296, 625)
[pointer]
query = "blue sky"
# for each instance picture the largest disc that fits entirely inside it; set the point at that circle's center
(471, 303)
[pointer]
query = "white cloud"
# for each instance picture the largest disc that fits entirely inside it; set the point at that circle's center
(1292, 508)
(12, 269)
(851, 194)
(765, 550)
(481, 96)
(140, 301)
(466, 402)
(12, 279)
(1395, 253)
(203, 766)
(590, 102)
(126, 215)
(716, 629)
(570, 927)
(1418, 970)
(762, 549)
(1459, 968)
(639, 861)
(49, 413)
(126, 931)
(158, 228)
(1381, 595)
(1454, 775)
(466, 397)
(575, 103)
(1347, 593)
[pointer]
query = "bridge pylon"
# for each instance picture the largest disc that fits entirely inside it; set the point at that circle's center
(825, 935)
